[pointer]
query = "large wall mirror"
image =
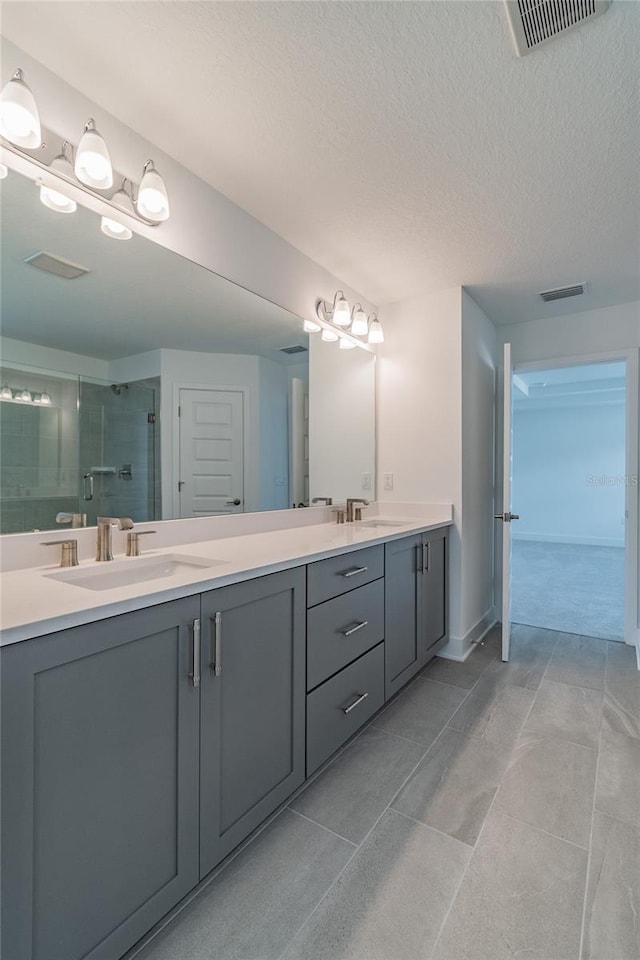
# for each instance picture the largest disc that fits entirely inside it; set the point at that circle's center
(134, 382)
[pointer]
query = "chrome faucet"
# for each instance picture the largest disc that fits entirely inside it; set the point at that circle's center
(75, 519)
(351, 502)
(105, 525)
(328, 501)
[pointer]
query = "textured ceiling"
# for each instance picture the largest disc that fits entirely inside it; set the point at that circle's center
(403, 146)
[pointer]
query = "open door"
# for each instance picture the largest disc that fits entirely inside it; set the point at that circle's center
(506, 516)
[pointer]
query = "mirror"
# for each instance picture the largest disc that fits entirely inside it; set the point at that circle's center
(148, 386)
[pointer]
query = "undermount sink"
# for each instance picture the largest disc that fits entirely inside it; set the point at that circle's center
(122, 573)
(382, 523)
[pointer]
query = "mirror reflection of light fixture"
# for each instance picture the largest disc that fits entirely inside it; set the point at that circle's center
(376, 333)
(346, 344)
(24, 395)
(6, 393)
(93, 163)
(19, 117)
(45, 399)
(359, 324)
(113, 228)
(329, 336)
(310, 326)
(4, 171)
(54, 199)
(153, 202)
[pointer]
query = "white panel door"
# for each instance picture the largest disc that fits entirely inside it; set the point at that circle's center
(506, 516)
(211, 452)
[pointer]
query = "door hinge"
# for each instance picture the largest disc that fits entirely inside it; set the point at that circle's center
(151, 418)
(181, 484)
(179, 411)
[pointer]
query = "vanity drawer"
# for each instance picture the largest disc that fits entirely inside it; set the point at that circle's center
(342, 629)
(329, 578)
(337, 709)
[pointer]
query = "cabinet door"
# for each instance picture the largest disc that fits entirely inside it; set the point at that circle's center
(434, 589)
(99, 783)
(403, 611)
(252, 707)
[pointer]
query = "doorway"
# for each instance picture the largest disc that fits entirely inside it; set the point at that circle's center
(569, 485)
(211, 452)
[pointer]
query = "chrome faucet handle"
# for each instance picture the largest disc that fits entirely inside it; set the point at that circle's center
(351, 502)
(103, 545)
(328, 501)
(69, 555)
(75, 519)
(133, 542)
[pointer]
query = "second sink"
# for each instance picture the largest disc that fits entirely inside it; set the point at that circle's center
(121, 573)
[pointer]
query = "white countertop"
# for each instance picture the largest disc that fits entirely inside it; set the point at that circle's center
(33, 603)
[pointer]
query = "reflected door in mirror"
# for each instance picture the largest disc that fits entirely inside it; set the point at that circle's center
(211, 452)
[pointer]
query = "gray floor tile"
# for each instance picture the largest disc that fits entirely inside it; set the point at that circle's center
(568, 713)
(612, 927)
(579, 661)
(254, 907)
(618, 786)
(549, 784)
(521, 896)
(421, 711)
(390, 901)
(622, 690)
(464, 674)
(352, 793)
(529, 655)
(493, 711)
(454, 785)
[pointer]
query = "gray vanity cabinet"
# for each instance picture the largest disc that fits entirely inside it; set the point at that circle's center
(252, 737)
(99, 783)
(415, 604)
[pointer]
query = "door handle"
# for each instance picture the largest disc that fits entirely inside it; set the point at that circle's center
(359, 698)
(194, 676)
(234, 503)
(216, 663)
(356, 570)
(354, 629)
(506, 517)
(87, 484)
(426, 553)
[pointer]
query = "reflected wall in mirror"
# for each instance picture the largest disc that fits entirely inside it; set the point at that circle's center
(173, 391)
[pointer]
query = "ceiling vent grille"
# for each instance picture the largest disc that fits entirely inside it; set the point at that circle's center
(58, 266)
(535, 21)
(296, 349)
(562, 293)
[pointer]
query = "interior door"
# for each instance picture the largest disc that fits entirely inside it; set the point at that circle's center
(506, 517)
(211, 452)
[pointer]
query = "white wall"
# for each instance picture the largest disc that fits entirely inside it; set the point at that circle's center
(479, 363)
(47, 358)
(555, 452)
(204, 226)
(342, 428)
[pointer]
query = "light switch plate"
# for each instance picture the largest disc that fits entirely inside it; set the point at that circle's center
(366, 481)
(387, 481)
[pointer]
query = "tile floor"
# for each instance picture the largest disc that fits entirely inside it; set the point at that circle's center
(491, 811)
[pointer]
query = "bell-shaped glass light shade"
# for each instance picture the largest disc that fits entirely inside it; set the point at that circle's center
(45, 399)
(24, 395)
(310, 326)
(19, 117)
(6, 393)
(330, 336)
(360, 325)
(376, 334)
(346, 344)
(4, 171)
(117, 231)
(53, 198)
(341, 312)
(153, 202)
(93, 163)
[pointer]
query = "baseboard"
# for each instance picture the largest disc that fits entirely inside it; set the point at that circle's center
(459, 648)
(568, 539)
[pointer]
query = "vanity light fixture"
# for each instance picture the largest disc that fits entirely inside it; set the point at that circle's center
(19, 117)
(346, 344)
(6, 393)
(93, 163)
(153, 202)
(113, 228)
(54, 199)
(24, 395)
(310, 326)
(329, 336)
(45, 399)
(359, 324)
(3, 171)
(376, 333)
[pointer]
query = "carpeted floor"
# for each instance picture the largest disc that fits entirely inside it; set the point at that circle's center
(568, 587)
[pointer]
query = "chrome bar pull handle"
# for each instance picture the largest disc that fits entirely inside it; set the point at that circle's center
(354, 629)
(195, 674)
(419, 558)
(217, 654)
(359, 699)
(355, 571)
(87, 486)
(426, 562)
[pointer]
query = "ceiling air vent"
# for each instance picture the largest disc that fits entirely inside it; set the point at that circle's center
(296, 349)
(534, 21)
(58, 266)
(562, 293)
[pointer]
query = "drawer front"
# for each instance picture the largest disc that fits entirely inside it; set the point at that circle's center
(329, 578)
(341, 630)
(333, 711)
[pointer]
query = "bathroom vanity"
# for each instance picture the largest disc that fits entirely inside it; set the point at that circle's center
(141, 747)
